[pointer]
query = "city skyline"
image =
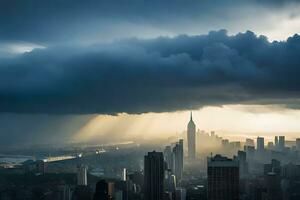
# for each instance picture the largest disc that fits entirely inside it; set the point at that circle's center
(149, 100)
(199, 165)
(106, 129)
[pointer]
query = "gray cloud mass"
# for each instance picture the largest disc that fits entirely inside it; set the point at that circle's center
(153, 75)
(60, 21)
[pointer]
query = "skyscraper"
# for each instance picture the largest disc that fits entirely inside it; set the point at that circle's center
(250, 151)
(154, 176)
(101, 192)
(274, 167)
(191, 139)
(276, 142)
(273, 188)
(41, 166)
(124, 174)
(298, 144)
(178, 160)
(168, 156)
(249, 142)
(180, 194)
(223, 178)
(81, 175)
(243, 164)
(281, 143)
(270, 145)
(260, 144)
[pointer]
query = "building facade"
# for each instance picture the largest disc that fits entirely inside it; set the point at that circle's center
(223, 178)
(154, 176)
(81, 175)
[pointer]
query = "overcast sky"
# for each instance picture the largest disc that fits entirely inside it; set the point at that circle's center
(66, 61)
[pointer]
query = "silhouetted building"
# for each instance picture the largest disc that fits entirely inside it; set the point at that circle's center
(281, 143)
(270, 145)
(243, 164)
(250, 151)
(223, 178)
(81, 175)
(298, 144)
(274, 167)
(276, 142)
(111, 189)
(191, 139)
(170, 185)
(154, 176)
(40, 167)
(124, 174)
(249, 142)
(273, 187)
(168, 157)
(260, 143)
(178, 160)
(180, 194)
(291, 171)
(82, 192)
(101, 192)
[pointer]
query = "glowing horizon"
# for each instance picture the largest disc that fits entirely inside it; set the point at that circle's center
(236, 122)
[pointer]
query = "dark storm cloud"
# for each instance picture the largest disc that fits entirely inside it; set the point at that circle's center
(162, 74)
(57, 21)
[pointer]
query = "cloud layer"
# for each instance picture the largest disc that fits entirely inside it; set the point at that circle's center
(154, 75)
(60, 21)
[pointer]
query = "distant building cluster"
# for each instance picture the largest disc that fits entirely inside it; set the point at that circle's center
(201, 166)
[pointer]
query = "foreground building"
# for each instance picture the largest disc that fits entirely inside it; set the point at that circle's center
(178, 160)
(154, 176)
(81, 175)
(223, 178)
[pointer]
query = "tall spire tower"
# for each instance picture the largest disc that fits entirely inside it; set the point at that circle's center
(191, 138)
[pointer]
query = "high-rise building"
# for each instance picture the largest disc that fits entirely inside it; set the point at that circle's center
(178, 160)
(101, 192)
(273, 188)
(298, 144)
(81, 192)
(274, 167)
(180, 194)
(270, 145)
(225, 143)
(243, 164)
(170, 183)
(124, 174)
(168, 156)
(111, 189)
(191, 139)
(281, 143)
(276, 142)
(260, 144)
(223, 178)
(40, 167)
(249, 142)
(236, 145)
(250, 151)
(81, 175)
(154, 176)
